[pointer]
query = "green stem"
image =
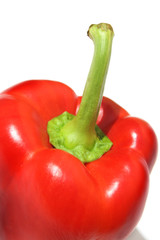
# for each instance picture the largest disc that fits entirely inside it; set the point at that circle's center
(102, 35)
(80, 132)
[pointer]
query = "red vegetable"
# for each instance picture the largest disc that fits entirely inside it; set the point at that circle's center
(49, 194)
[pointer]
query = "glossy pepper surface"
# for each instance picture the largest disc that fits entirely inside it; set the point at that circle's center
(48, 193)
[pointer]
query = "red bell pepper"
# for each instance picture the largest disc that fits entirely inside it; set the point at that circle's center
(73, 190)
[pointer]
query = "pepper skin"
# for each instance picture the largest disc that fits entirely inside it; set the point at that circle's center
(47, 193)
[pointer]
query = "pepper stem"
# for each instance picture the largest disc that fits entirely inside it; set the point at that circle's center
(102, 35)
(81, 131)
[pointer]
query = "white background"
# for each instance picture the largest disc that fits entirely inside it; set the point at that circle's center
(46, 39)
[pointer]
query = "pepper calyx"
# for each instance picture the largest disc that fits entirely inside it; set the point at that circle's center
(102, 143)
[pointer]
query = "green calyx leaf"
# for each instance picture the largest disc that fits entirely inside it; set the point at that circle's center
(57, 139)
